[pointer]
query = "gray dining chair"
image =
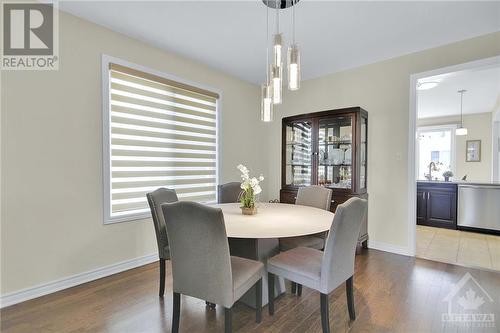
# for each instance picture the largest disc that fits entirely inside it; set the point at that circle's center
(155, 199)
(229, 192)
(201, 264)
(324, 270)
(312, 196)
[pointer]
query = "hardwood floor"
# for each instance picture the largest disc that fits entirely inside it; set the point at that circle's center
(392, 294)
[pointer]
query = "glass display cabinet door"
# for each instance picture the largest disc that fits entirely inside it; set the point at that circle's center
(362, 162)
(298, 153)
(335, 152)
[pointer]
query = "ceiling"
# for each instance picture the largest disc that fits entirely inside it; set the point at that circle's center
(333, 35)
(483, 92)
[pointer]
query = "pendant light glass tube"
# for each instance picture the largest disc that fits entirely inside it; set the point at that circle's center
(461, 130)
(278, 39)
(276, 81)
(266, 111)
(276, 70)
(293, 59)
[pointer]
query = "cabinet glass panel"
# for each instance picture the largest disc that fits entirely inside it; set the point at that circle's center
(362, 163)
(298, 153)
(335, 152)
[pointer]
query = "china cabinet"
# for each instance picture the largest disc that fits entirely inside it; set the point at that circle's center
(327, 148)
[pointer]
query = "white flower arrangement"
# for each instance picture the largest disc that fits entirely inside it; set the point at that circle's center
(250, 187)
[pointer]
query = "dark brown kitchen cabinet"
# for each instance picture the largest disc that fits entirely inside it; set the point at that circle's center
(327, 148)
(437, 204)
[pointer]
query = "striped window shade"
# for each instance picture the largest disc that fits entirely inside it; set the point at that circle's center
(162, 133)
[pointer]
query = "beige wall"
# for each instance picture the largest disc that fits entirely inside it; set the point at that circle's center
(51, 151)
(478, 128)
(383, 90)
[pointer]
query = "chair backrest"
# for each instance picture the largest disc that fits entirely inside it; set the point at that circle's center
(229, 192)
(338, 258)
(314, 196)
(155, 199)
(199, 250)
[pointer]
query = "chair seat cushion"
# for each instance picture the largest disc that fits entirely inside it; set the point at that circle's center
(314, 242)
(246, 273)
(301, 265)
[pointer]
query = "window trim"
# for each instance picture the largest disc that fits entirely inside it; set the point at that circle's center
(437, 128)
(106, 137)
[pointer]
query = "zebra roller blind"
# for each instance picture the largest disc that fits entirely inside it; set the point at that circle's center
(161, 134)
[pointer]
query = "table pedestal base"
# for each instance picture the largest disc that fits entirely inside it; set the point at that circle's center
(261, 250)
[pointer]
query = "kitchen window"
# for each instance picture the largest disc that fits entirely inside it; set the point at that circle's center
(158, 131)
(435, 144)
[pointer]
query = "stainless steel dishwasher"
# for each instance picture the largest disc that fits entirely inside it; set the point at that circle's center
(479, 206)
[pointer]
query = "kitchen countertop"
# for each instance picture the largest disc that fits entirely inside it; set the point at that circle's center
(459, 182)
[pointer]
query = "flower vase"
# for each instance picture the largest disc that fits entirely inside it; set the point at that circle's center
(249, 210)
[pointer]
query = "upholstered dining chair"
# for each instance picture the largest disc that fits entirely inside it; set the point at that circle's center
(201, 264)
(155, 199)
(324, 270)
(229, 192)
(313, 196)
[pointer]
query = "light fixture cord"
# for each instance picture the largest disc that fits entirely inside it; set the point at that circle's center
(267, 45)
(277, 16)
(293, 21)
(461, 109)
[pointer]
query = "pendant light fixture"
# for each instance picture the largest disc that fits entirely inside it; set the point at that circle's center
(461, 130)
(266, 111)
(272, 89)
(293, 59)
(277, 67)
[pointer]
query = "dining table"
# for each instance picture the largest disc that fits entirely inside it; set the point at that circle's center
(257, 236)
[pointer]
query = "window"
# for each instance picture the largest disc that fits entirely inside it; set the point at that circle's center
(435, 156)
(157, 132)
(436, 144)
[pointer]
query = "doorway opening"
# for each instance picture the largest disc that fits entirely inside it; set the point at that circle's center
(454, 162)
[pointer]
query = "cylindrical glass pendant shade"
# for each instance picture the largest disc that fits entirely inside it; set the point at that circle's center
(277, 50)
(266, 111)
(277, 83)
(461, 131)
(293, 67)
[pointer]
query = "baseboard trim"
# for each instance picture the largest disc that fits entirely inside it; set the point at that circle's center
(386, 247)
(73, 280)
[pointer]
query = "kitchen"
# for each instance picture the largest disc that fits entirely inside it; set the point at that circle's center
(458, 178)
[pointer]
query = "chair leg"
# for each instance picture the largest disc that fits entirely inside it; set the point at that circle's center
(294, 288)
(325, 321)
(258, 301)
(299, 289)
(270, 292)
(350, 297)
(162, 277)
(176, 312)
(228, 320)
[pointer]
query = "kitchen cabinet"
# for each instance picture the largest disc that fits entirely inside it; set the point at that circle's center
(327, 148)
(437, 204)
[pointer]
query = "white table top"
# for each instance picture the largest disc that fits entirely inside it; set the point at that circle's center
(275, 220)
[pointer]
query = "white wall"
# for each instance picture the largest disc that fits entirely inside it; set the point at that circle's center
(51, 156)
(478, 128)
(383, 90)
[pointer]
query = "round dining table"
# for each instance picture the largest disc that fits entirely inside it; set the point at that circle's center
(275, 220)
(257, 236)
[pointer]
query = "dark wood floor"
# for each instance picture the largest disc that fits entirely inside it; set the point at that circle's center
(392, 294)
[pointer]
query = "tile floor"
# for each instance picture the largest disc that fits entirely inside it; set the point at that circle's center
(459, 247)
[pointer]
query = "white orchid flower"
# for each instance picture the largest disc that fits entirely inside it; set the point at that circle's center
(257, 189)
